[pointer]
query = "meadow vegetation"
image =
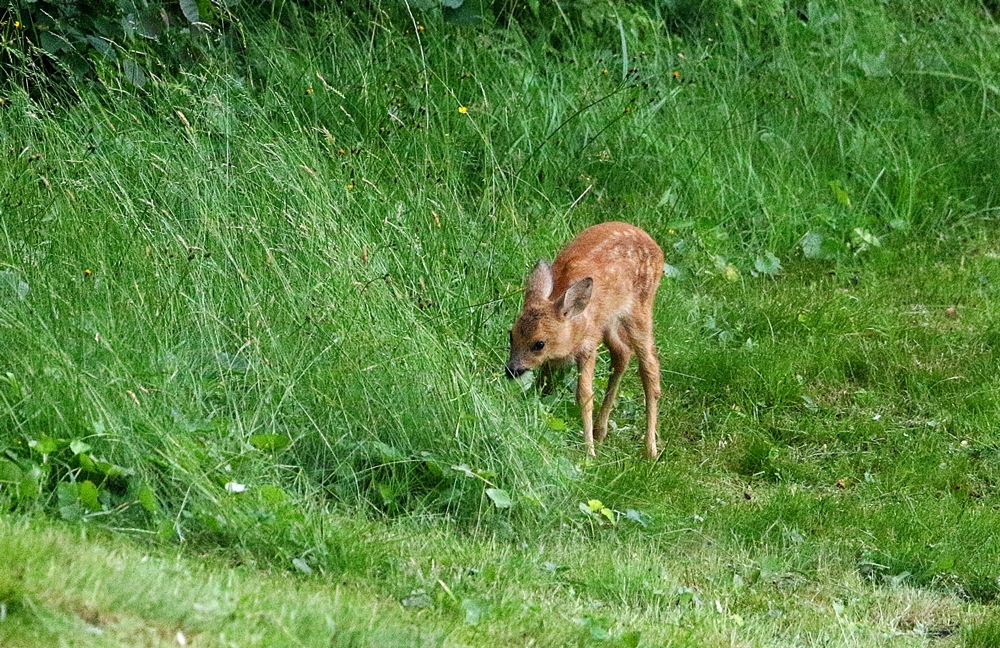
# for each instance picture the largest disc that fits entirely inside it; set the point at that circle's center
(254, 311)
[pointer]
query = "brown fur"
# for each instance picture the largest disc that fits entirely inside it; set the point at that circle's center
(601, 288)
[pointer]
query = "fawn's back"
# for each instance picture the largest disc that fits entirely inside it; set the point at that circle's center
(623, 261)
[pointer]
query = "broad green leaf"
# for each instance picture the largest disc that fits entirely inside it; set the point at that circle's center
(608, 513)
(269, 442)
(767, 264)
(23, 485)
(770, 567)
(46, 445)
(272, 494)
(465, 12)
(865, 238)
(10, 472)
(86, 462)
(112, 470)
(103, 46)
(88, 496)
(638, 517)
(12, 286)
(190, 10)
(464, 469)
(53, 43)
(30, 487)
(672, 272)
(597, 633)
(389, 453)
(148, 499)
(231, 362)
(473, 611)
(387, 492)
(840, 193)
(79, 447)
(812, 245)
(418, 599)
(72, 512)
(875, 66)
(302, 565)
(66, 492)
(568, 469)
(213, 523)
(500, 497)
(167, 529)
(134, 73)
(555, 423)
(944, 563)
(594, 505)
(899, 578)
(432, 464)
(69, 501)
(816, 246)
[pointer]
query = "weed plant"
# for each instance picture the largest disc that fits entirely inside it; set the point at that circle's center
(258, 309)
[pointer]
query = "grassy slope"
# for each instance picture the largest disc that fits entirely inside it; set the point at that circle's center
(306, 241)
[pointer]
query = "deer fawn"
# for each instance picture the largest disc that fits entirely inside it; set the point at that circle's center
(600, 288)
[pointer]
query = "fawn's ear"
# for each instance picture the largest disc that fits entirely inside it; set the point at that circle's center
(576, 298)
(539, 282)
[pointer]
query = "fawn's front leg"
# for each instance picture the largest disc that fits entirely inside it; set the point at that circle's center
(585, 363)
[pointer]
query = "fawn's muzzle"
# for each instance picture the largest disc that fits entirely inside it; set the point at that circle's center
(514, 372)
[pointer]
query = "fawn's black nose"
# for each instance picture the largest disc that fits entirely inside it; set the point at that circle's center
(514, 373)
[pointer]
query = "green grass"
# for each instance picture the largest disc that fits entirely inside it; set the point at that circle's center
(293, 268)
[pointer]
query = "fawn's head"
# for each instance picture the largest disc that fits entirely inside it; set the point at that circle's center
(543, 330)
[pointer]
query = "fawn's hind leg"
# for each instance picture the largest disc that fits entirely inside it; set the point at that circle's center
(641, 340)
(620, 356)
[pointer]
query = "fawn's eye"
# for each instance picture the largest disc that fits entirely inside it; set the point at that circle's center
(538, 346)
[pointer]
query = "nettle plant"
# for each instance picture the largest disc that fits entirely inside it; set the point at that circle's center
(50, 44)
(708, 16)
(50, 471)
(33, 469)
